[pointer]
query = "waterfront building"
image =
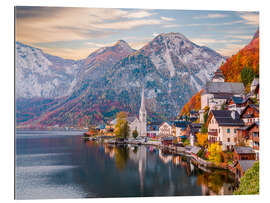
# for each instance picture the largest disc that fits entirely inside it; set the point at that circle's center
(222, 127)
(217, 92)
(243, 153)
(165, 129)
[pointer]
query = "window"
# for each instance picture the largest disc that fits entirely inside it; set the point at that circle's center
(234, 131)
(228, 139)
(228, 130)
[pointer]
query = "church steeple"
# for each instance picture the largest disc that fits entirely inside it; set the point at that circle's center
(142, 101)
(142, 116)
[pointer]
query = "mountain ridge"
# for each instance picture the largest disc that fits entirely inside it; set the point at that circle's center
(171, 67)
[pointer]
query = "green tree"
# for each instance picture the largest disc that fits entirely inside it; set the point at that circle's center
(135, 133)
(249, 183)
(204, 129)
(247, 75)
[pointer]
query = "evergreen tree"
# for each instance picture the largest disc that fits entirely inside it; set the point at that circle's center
(247, 75)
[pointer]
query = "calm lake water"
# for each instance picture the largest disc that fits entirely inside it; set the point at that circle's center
(64, 165)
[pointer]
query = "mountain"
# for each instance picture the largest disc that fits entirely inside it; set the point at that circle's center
(40, 75)
(170, 67)
(246, 57)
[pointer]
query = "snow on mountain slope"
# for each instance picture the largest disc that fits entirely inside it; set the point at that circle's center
(42, 75)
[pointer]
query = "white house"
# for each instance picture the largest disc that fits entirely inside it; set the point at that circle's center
(165, 129)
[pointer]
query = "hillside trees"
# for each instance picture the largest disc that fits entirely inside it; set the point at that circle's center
(249, 183)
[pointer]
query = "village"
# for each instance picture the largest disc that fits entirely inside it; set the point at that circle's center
(224, 133)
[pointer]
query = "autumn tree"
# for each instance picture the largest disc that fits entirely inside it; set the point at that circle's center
(121, 128)
(215, 152)
(202, 139)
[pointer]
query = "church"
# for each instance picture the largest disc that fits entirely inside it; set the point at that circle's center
(139, 124)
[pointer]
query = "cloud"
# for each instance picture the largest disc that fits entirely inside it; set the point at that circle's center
(62, 24)
(216, 15)
(124, 25)
(171, 25)
(250, 18)
(207, 41)
(139, 14)
(230, 49)
(167, 18)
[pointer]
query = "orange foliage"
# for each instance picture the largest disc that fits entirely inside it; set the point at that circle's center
(246, 57)
(193, 104)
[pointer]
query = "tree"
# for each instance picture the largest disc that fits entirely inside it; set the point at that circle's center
(215, 152)
(249, 183)
(202, 139)
(204, 129)
(247, 75)
(121, 128)
(135, 133)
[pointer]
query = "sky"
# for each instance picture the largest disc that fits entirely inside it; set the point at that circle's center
(74, 33)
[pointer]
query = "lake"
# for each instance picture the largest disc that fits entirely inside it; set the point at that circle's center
(62, 164)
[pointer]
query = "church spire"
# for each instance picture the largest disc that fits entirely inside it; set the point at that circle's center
(142, 101)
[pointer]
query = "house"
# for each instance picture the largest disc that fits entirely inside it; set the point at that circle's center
(254, 138)
(134, 124)
(179, 127)
(192, 130)
(238, 103)
(217, 92)
(222, 127)
(168, 140)
(242, 166)
(254, 88)
(243, 153)
(153, 129)
(165, 129)
(250, 114)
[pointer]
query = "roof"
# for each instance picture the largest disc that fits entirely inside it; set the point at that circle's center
(181, 124)
(223, 95)
(238, 100)
(218, 74)
(246, 164)
(243, 150)
(152, 127)
(195, 150)
(225, 87)
(131, 119)
(253, 106)
(224, 118)
(168, 122)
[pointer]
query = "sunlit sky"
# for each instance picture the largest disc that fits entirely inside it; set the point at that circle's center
(76, 32)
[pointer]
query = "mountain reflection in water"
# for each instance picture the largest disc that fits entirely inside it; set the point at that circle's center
(68, 166)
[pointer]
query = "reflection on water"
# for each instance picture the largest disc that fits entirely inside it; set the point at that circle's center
(70, 167)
